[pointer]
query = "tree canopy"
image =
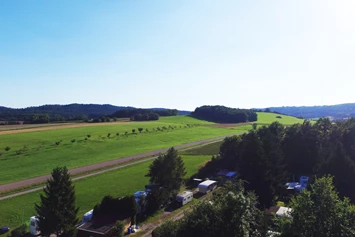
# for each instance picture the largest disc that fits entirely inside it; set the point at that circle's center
(57, 213)
(222, 114)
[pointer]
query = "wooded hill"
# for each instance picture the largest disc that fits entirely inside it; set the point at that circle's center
(51, 113)
(340, 111)
(222, 114)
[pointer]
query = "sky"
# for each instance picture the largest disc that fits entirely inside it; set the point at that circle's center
(177, 54)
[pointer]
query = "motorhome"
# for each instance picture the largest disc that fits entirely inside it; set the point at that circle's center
(185, 197)
(87, 216)
(34, 226)
(207, 186)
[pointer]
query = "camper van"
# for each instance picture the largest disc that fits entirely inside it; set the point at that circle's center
(34, 225)
(207, 186)
(87, 216)
(184, 198)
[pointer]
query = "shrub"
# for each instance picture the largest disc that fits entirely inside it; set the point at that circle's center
(19, 231)
(57, 143)
(73, 140)
(108, 135)
(140, 130)
(133, 130)
(147, 130)
(119, 229)
(88, 135)
(279, 117)
(85, 138)
(117, 134)
(7, 148)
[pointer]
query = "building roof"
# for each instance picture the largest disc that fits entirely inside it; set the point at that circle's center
(284, 211)
(222, 172)
(231, 174)
(206, 183)
(96, 228)
(184, 194)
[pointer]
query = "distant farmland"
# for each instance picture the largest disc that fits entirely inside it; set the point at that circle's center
(36, 153)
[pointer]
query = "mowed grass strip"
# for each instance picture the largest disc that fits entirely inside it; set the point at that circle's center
(90, 191)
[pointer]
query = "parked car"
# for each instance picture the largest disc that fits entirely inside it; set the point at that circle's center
(4, 229)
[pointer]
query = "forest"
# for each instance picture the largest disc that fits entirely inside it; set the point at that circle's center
(222, 114)
(78, 112)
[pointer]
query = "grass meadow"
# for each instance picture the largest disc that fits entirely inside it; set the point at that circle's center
(90, 191)
(36, 153)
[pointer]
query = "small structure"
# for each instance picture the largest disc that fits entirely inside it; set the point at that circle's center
(207, 186)
(185, 197)
(279, 211)
(223, 172)
(87, 216)
(231, 175)
(284, 211)
(34, 226)
(298, 186)
(91, 229)
(140, 200)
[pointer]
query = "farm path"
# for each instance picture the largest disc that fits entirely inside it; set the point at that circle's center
(12, 129)
(102, 167)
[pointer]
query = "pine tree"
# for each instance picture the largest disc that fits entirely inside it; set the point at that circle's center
(168, 171)
(57, 212)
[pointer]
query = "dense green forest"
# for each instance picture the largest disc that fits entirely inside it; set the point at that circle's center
(58, 113)
(222, 114)
(337, 112)
(131, 112)
(268, 157)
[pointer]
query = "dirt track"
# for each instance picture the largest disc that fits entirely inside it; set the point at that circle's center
(107, 164)
(30, 128)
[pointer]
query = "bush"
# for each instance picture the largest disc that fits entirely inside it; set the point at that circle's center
(7, 148)
(88, 135)
(133, 130)
(140, 130)
(108, 135)
(117, 134)
(119, 228)
(279, 117)
(73, 140)
(19, 231)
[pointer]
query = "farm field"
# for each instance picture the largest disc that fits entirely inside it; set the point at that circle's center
(35, 153)
(271, 117)
(90, 191)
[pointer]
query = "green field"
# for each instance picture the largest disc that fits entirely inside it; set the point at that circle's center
(90, 191)
(268, 118)
(41, 154)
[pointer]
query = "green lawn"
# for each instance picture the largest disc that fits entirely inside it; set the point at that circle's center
(90, 191)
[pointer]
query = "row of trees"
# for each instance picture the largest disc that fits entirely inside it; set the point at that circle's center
(222, 114)
(145, 117)
(129, 112)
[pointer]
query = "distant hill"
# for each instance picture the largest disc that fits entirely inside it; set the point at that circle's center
(62, 112)
(337, 112)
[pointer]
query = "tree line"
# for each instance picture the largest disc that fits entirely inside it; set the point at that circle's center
(222, 114)
(72, 112)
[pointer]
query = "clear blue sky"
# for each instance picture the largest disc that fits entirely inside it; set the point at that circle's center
(177, 54)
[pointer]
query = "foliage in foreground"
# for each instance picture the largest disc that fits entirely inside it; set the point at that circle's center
(320, 212)
(231, 212)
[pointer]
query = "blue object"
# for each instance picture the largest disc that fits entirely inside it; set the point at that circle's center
(231, 174)
(137, 227)
(129, 230)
